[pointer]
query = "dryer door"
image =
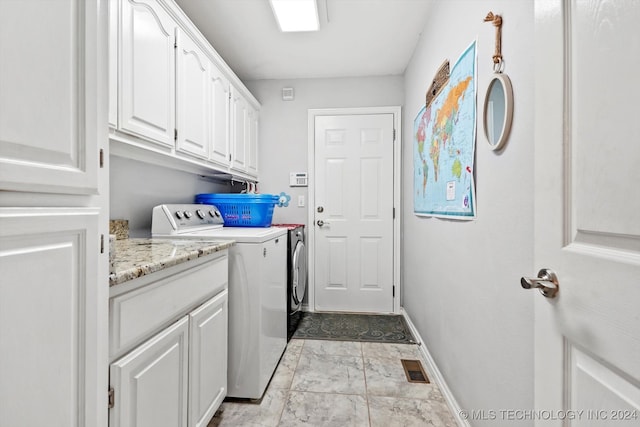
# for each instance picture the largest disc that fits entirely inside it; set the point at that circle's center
(299, 266)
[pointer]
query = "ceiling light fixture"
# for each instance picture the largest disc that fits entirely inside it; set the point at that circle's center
(296, 15)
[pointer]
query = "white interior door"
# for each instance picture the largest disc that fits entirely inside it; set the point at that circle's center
(587, 353)
(353, 251)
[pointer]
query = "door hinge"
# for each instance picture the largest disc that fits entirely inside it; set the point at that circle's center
(175, 42)
(112, 398)
(394, 213)
(102, 243)
(175, 134)
(393, 292)
(394, 135)
(101, 158)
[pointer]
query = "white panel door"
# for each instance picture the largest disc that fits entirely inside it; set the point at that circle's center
(587, 354)
(48, 315)
(354, 213)
(147, 72)
(151, 381)
(47, 89)
(219, 117)
(239, 134)
(193, 97)
(207, 359)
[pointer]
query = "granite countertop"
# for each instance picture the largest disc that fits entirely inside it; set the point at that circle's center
(138, 257)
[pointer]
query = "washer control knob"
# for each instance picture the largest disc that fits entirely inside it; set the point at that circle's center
(200, 214)
(217, 214)
(212, 213)
(179, 215)
(188, 214)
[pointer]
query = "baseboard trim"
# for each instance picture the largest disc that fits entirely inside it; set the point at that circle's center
(435, 375)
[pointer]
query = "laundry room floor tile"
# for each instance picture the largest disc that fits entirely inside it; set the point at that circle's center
(265, 413)
(329, 374)
(398, 412)
(333, 348)
(341, 383)
(325, 409)
(283, 376)
(390, 351)
(386, 377)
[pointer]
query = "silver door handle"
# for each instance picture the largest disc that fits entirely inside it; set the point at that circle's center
(321, 223)
(547, 282)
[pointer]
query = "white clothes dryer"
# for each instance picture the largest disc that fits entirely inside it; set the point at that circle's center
(296, 274)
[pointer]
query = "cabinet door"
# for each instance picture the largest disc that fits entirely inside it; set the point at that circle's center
(219, 116)
(252, 155)
(150, 383)
(147, 72)
(48, 81)
(193, 95)
(239, 127)
(114, 13)
(49, 308)
(207, 359)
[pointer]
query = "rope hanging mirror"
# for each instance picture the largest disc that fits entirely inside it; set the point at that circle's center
(498, 102)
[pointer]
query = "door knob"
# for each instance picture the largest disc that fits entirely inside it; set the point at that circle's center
(321, 223)
(547, 282)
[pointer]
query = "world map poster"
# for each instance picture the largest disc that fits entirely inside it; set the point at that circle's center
(444, 146)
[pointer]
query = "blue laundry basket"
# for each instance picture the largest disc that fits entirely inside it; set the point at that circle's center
(242, 210)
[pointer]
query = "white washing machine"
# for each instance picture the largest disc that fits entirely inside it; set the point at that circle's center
(257, 290)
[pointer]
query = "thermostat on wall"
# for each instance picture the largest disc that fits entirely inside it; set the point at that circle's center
(298, 179)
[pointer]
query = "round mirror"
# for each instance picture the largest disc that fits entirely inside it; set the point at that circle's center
(498, 111)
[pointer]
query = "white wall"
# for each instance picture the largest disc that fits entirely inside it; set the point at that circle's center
(461, 279)
(137, 187)
(283, 126)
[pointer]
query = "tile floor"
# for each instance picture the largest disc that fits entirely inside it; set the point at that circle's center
(338, 383)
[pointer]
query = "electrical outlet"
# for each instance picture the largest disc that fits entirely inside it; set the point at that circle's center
(301, 201)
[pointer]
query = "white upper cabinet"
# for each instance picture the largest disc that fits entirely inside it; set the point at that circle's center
(239, 131)
(193, 97)
(219, 117)
(48, 127)
(147, 71)
(172, 97)
(252, 155)
(114, 10)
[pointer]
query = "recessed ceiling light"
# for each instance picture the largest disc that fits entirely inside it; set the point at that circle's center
(296, 15)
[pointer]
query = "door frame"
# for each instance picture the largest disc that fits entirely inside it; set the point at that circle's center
(397, 179)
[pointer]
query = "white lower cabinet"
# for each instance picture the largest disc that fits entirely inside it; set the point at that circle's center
(176, 377)
(207, 359)
(151, 381)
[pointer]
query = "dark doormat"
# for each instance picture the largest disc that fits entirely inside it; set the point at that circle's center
(385, 328)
